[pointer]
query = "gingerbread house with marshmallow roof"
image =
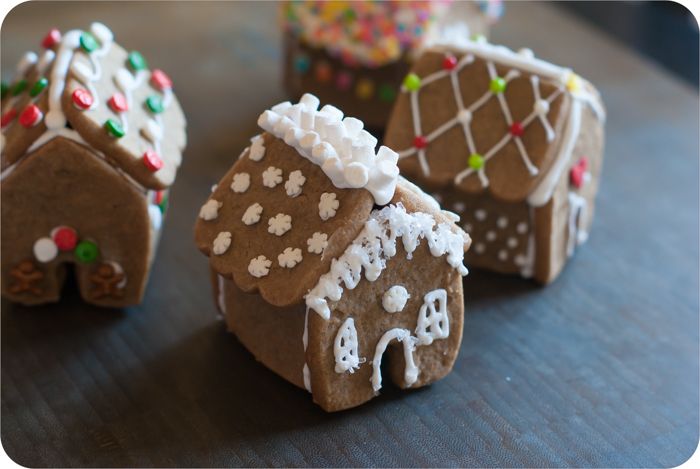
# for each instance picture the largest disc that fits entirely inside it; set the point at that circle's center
(511, 143)
(325, 262)
(91, 142)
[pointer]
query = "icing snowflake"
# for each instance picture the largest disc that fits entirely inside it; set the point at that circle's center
(257, 149)
(222, 242)
(252, 214)
(272, 176)
(210, 210)
(328, 205)
(395, 298)
(289, 257)
(279, 224)
(294, 183)
(259, 266)
(317, 242)
(240, 183)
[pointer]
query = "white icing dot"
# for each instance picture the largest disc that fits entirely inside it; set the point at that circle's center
(257, 149)
(479, 248)
(480, 214)
(240, 182)
(213, 187)
(467, 227)
(328, 205)
(252, 214)
(527, 53)
(156, 216)
(464, 116)
(222, 242)
(502, 222)
(459, 207)
(45, 250)
(259, 266)
(272, 176)
(490, 235)
(317, 242)
(279, 224)
(519, 260)
(512, 242)
(210, 210)
(503, 255)
(395, 298)
(521, 227)
(541, 107)
(289, 257)
(294, 183)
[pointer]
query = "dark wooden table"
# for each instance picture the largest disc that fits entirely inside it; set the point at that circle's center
(599, 369)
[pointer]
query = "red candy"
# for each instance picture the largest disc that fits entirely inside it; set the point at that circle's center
(65, 238)
(158, 197)
(160, 80)
(420, 142)
(517, 129)
(51, 39)
(82, 98)
(578, 172)
(8, 117)
(118, 103)
(31, 116)
(449, 62)
(152, 161)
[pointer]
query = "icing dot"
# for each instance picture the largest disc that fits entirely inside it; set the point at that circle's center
(527, 53)
(86, 251)
(541, 107)
(252, 214)
(364, 89)
(502, 255)
(65, 238)
(464, 116)
(459, 207)
(395, 298)
(45, 250)
(156, 214)
(221, 243)
(479, 248)
(476, 161)
(240, 182)
(259, 266)
(502, 222)
(480, 214)
(302, 63)
(490, 236)
(343, 81)
(323, 72)
(512, 242)
(521, 227)
(420, 142)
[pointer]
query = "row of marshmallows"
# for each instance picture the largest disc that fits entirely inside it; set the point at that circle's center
(339, 146)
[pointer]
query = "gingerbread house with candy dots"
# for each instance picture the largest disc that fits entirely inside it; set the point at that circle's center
(511, 143)
(91, 141)
(355, 54)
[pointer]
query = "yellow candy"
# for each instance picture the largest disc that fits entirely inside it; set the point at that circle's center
(364, 89)
(573, 83)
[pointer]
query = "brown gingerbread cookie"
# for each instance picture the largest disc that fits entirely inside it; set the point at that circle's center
(511, 143)
(374, 270)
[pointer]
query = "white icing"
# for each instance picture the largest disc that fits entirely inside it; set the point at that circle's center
(502, 255)
(279, 224)
(433, 323)
(343, 150)
(257, 148)
(240, 182)
(409, 345)
(271, 177)
(479, 248)
(156, 216)
(395, 298)
(527, 262)
(480, 214)
(459, 206)
(345, 348)
(577, 213)
(512, 242)
(26, 62)
(521, 227)
(259, 266)
(221, 298)
(210, 210)
(289, 258)
(221, 243)
(45, 60)
(490, 235)
(252, 214)
(377, 242)
(306, 374)
(45, 250)
(317, 242)
(294, 182)
(328, 206)
(502, 222)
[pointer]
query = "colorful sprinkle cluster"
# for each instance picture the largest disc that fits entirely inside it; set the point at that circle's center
(65, 239)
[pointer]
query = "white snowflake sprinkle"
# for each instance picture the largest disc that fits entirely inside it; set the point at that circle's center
(503, 255)
(290, 257)
(252, 214)
(272, 176)
(521, 228)
(279, 224)
(328, 205)
(240, 183)
(222, 243)
(480, 214)
(317, 242)
(259, 266)
(257, 149)
(502, 222)
(210, 210)
(490, 236)
(479, 248)
(294, 183)
(512, 242)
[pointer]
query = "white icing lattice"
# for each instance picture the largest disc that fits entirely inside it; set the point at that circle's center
(259, 266)
(279, 224)
(433, 322)
(294, 182)
(395, 298)
(328, 205)
(345, 348)
(272, 176)
(221, 243)
(289, 257)
(317, 242)
(210, 210)
(252, 214)
(240, 182)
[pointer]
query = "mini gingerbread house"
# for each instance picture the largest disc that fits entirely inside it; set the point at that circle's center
(91, 141)
(324, 261)
(511, 143)
(355, 54)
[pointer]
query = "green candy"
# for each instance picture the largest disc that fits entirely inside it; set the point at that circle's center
(497, 85)
(387, 93)
(114, 128)
(136, 61)
(88, 42)
(476, 161)
(19, 87)
(38, 87)
(86, 252)
(163, 205)
(412, 82)
(5, 89)
(154, 104)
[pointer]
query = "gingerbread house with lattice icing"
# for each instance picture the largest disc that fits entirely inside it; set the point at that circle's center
(91, 141)
(511, 143)
(325, 262)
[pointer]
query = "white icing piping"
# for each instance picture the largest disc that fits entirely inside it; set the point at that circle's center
(410, 374)
(346, 348)
(527, 262)
(577, 212)
(343, 150)
(126, 83)
(377, 243)
(306, 374)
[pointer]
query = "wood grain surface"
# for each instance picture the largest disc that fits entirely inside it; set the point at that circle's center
(598, 369)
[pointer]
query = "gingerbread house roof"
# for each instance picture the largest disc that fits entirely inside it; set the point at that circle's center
(297, 198)
(483, 117)
(87, 88)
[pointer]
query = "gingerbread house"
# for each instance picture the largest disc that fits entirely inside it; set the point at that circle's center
(511, 143)
(325, 263)
(91, 141)
(355, 54)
